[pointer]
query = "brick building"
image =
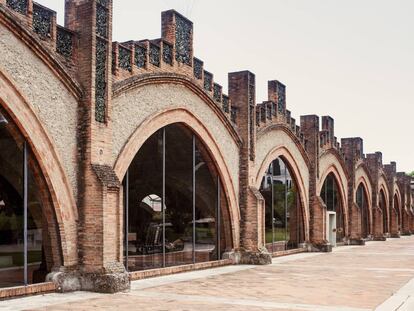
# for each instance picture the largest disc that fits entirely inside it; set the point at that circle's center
(120, 161)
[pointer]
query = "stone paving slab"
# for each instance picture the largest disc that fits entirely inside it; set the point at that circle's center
(359, 278)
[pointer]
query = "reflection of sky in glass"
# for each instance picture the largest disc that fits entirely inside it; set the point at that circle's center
(153, 201)
(3, 119)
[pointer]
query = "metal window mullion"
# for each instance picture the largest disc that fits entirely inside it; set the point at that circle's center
(126, 185)
(286, 207)
(272, 211)
(218, 233)
(163, 197)
(25, 204)
(194, 198)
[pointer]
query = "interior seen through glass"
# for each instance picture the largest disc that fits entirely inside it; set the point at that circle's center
(383, 207)
(188, 225)
(397, 210)
(362, 202)
(12, 188)
(283, 212)
(332, 199)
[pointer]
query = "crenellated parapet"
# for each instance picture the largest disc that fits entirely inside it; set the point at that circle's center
(41, 21)
(170, 54)
(273, 111)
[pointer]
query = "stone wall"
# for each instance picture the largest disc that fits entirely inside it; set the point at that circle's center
(51, 100)
(133, 107)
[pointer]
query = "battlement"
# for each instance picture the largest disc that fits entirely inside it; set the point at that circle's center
(84, 46)
(273, 111)
(41, 21)
(172, 53)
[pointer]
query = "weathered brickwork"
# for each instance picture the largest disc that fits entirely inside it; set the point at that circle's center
(86, 105)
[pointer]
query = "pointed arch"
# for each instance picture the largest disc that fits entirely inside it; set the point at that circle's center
(61, 192)
(186, 117)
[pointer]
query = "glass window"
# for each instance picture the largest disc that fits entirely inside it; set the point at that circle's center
(362, 202)
(332, 199)
(144, 247)
(178, 195)
(383, 207)
(12, 214)
(283, 212)
(173, 164)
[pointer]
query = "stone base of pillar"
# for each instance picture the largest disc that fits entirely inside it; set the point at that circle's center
(323, 247)
(395, 235)
(357, 242)
(407, 233)
(247, 257)
(105, 282)
(380, 238)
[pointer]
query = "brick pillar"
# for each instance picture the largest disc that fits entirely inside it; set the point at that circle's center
(352, 149)
(317, 223)
(328, 125)
(277, 94)
(175, 27)
(99, 199)
(394, 209)
(374, 163)
(242, 89)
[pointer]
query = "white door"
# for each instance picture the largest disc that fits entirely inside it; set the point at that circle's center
(331, 228)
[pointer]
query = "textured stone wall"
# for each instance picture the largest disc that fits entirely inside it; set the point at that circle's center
(55, 106)
(326, 161)
(360, 173)
(275, 139)
(134, 106)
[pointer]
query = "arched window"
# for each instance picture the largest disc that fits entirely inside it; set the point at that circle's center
(383, 207)
(176, 210)
(23, 225)
(331, 196)
(283, 212)
(362, 202)
(397, 210)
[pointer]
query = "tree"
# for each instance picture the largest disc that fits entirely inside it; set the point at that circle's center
(412, 174)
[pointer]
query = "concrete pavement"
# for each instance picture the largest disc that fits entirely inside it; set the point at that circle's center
(378, 276)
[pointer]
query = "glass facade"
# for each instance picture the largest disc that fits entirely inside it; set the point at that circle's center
(362, 202)
(332, 199)
(283, 212)
(21, 214)
(397, 210)
(173, 203)
(383, 208)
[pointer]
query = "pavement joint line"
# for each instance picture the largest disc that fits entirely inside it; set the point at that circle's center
(46, 300)
(188, 276)
(402, 300)
(244, 302)
(387, 254)
(345, 268)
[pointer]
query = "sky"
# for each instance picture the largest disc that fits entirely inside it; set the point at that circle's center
(352, 60)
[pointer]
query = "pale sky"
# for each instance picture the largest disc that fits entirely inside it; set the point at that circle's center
(350, 59)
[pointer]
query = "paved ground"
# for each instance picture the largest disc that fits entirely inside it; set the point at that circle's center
(378, 276)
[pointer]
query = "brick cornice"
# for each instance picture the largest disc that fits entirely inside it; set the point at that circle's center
(20, 30)
(165, 78)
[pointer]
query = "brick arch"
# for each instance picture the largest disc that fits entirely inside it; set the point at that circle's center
(184, 116)
(284, 153)
(63, 203)
(362, 176)
(329, 163)
(399, 211)
(362, 181)
(397, 193)
(382, 185)
(42, 51)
